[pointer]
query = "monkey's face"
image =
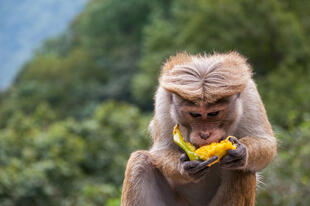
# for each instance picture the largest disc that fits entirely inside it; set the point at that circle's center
(205, 122)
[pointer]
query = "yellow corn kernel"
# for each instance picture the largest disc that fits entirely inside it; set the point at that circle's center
(219, 149)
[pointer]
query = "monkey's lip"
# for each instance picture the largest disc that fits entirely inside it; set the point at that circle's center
(203, 144)
(198, 142)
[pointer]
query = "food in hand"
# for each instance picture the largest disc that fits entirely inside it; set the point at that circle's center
(205, 152)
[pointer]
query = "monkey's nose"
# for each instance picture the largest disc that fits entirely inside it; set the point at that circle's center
(204, 135)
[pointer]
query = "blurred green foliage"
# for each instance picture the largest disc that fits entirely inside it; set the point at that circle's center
(81, 105)
(68, 162)
(287, 180)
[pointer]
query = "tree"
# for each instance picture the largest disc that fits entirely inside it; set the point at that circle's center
(267, 34)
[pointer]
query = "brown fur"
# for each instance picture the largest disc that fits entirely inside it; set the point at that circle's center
(239, 190)
(178, 59)
(205, 78)
(156, 178)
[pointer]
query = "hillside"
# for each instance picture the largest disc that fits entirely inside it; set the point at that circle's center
(82, 103)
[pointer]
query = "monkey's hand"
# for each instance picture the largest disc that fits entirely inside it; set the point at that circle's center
(235, 159)
(195, 169)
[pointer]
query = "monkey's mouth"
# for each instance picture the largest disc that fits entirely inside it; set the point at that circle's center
(200, 142)
(197, 145)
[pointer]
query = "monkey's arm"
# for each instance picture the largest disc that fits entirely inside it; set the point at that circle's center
(260, 151)
(255, 132)
(167, 160)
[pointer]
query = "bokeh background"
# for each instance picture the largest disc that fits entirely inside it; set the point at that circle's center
(81, 102)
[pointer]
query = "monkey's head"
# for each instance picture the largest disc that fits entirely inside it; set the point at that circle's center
(205, 93)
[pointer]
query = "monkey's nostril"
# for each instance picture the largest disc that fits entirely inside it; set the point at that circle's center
(204, 135)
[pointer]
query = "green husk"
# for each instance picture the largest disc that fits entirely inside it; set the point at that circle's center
(178, 139)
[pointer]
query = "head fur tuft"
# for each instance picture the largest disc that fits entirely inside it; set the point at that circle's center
(205, 77)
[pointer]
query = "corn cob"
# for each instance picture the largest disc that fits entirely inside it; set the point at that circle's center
(205, 152)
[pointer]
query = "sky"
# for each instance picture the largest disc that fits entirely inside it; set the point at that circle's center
(25, 24)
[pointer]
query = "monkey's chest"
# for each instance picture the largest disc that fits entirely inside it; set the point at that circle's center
(200, 193)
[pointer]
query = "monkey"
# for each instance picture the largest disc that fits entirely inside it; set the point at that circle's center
(210, 96)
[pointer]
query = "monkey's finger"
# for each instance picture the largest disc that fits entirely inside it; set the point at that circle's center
(201, 173)
(234, 140)
(184, 158)
(190, 165)
(204, 165)
(228, 159)
(239, 152)
(234, 164)
(229, 165)
(209, 161)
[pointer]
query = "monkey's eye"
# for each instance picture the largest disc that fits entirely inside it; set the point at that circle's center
(213, 114)
(195, 115)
